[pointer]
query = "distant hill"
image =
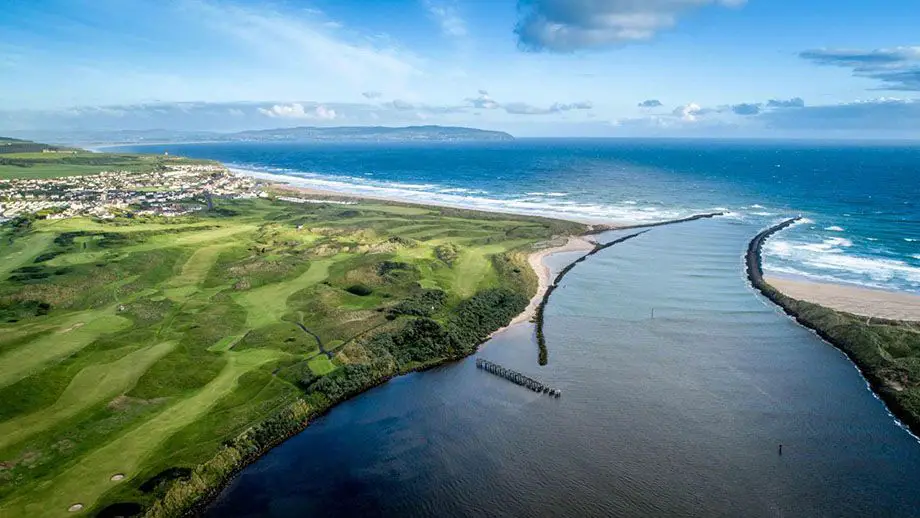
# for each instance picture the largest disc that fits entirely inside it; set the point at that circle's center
(298, 134)
(372, 133)
(12, 145)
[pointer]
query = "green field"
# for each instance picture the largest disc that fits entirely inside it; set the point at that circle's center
(78, 162)
(151, 351)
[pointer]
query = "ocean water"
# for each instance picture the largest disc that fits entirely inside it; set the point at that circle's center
(677, 415)
(861, 201)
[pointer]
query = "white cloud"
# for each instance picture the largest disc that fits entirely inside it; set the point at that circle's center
(567, 25)
(445, 13)
(298, 111)
(688, 112)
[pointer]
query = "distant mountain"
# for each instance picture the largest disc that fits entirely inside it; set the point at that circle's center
(298, 134)
(369, 133)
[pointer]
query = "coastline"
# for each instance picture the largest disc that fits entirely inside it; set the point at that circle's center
(291, 183)
(544, 275)
(861, 341)
(858, 300)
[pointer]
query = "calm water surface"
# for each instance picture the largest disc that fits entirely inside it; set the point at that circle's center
(679, 415)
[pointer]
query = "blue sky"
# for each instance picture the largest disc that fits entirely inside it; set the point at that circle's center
(784, 68)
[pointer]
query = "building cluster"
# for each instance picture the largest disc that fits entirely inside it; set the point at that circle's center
(165, 192)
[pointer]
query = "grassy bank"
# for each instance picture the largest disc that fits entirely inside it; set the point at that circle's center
(144, 361)
(887, 352)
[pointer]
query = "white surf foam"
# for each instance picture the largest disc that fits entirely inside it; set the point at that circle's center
(429, 193)
(834, 228)
(829, 258)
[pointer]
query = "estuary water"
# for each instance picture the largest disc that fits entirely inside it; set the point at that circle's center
(677, 415)
(861, 200)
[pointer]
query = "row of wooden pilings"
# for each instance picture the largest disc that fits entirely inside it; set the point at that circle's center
(516, 377)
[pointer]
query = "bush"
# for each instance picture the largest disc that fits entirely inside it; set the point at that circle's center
(447, 252)
(360, 290)
(423, 304)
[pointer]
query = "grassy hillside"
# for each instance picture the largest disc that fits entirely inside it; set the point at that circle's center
(142, 362)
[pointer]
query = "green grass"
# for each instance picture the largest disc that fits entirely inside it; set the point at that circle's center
(21, 251)
(90, 479)
(321, 365)
(265, 305)
(82, 330)
(92, 385)
(166, 339)
(53, 165)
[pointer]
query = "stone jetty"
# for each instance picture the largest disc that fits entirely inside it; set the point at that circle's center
(516, 377)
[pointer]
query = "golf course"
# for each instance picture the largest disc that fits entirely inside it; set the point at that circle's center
(145, 360)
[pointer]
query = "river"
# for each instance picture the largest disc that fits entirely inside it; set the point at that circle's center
(678, 415)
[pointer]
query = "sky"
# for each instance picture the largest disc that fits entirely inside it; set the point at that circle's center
(671, 68)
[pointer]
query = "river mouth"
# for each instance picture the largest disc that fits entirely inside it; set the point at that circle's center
(679, 381)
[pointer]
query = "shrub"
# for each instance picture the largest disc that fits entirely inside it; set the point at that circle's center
(360, 290)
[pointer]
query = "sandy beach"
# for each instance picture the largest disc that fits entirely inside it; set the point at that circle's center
(544, 275)
(852, 299)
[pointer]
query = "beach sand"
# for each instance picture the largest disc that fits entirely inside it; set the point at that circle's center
(544, 275)
(852, 299)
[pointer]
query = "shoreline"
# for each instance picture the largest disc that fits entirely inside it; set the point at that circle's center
(863, 352)
(544, 275)
(855, 299)
(285, 182)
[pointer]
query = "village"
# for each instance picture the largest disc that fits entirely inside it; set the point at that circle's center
(166, 191)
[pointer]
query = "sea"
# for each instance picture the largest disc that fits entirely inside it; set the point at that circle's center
(684, 392)
(860, 201)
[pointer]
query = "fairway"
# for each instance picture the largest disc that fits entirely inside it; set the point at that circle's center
(134, 339)
(321, 365)
(265, 305)
(22, 251)
(23, 361)
(94, 384)
(86, 481)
